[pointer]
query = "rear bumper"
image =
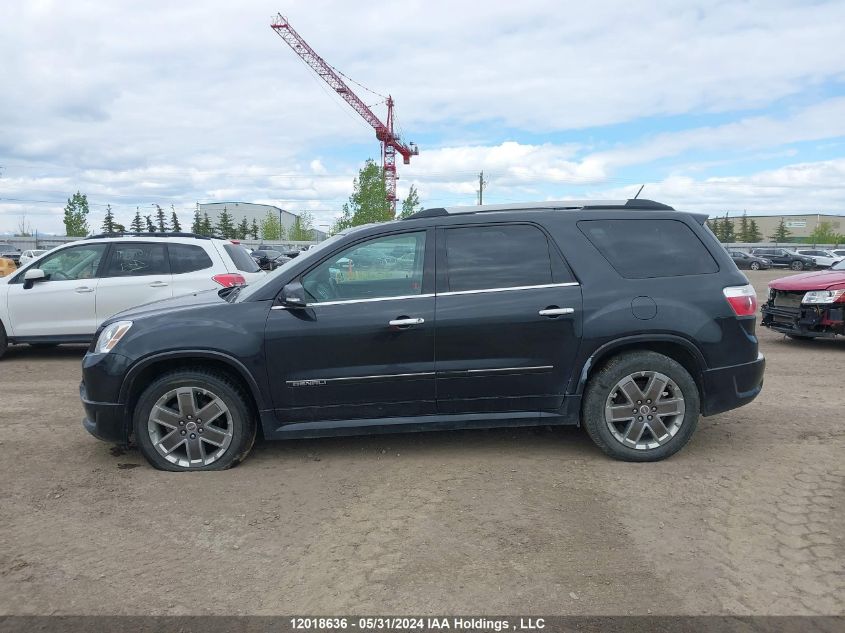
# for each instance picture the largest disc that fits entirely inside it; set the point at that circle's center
(727, 388)
(104, 420)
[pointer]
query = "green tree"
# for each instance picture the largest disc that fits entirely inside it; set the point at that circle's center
(728, 231)
(716, 227)
(303, 228)
(271, 228)
(175, 225)
(824, 234)
(161, 220)
(76, 215)
(743, 228)
(243, 229)
(108, 221)
(196, 226)
(151, 228)
(781, 232)
(137, 225)
(225, 226)
(253, 230)
(119, 228)
(368, 202)
(754, 234)
(411, 204)
(207, 228)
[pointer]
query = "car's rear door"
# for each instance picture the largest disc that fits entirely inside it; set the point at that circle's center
(135, 273)
(508, 315)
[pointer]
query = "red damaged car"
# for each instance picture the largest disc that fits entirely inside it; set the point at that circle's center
(809, 305)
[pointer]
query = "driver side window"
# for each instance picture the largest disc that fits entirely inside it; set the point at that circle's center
(389, 266)
(74, 263)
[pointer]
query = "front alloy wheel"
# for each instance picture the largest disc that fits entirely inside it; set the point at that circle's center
(797, 266)
(194, 420)
(755, 266)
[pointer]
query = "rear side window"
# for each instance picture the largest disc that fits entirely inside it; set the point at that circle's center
(640, 249)
(501, 256)
(241, 258)
(187, 258)
(137, 259)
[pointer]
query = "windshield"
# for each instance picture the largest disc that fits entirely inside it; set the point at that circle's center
(314, 253)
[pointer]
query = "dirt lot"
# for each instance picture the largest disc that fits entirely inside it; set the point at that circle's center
(748, 519)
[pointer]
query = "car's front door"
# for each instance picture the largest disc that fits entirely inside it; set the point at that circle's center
(363, 347)
(508, 320)
(136, 273)
(63, 303)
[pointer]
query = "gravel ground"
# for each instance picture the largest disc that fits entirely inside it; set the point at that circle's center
(748, 519)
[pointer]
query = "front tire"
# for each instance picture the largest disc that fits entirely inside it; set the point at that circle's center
(754, 266)
(641, 407)
(194, 420)
(797, 266)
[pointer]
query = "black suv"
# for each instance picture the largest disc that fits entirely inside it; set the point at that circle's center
(628, 318)
(785, 258)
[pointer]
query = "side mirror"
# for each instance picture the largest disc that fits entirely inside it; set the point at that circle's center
(31, 276)
(293, 295)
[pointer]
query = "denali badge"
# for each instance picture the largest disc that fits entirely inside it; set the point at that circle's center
(307, 383)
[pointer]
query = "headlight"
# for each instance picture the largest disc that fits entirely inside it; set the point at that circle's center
(111, 336)
(823, 296)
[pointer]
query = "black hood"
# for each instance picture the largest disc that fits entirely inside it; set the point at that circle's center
(173, 305)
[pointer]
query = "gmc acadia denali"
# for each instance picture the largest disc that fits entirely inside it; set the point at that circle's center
(626, 317)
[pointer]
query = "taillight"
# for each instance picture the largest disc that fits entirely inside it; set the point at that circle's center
(229, 279)
(743, 299)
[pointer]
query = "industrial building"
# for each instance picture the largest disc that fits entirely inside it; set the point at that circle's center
(253, 211)
(800, 225)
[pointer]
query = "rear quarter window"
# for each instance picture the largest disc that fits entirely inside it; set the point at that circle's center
(187, 258)
(241, 258)
(641, 249)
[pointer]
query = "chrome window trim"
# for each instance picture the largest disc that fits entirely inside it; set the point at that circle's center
(428, 295)
(480, 290)
(482, 371)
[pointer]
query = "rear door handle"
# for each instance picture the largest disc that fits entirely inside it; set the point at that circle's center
(159, 284)
(406, 321)
(83, 289)
(552, 312)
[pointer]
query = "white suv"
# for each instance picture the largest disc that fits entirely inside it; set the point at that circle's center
(63, 296)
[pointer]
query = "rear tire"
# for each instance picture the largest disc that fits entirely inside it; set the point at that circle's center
(4, 342)
(171, 433)
(623, 403)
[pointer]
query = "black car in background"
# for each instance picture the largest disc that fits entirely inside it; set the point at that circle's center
(627, 318)
(785, 258)
(744, 261)
(269, 259)
(9, 251)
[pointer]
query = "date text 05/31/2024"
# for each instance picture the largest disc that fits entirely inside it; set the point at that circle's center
(416, 624)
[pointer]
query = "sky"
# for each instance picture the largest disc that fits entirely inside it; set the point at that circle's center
(719, 106)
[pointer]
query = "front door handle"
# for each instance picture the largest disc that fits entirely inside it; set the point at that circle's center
(405, 321)
(83, 289)
(553, 312)
(159, 284)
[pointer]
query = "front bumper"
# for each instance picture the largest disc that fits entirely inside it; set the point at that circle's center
(821, 320)
(727, 388)
(106, 417)
(104, 420)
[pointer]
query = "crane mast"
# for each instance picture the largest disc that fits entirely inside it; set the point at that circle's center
(391, 144)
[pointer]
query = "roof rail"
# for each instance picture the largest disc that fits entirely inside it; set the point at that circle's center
(639, 203)
(152, 234)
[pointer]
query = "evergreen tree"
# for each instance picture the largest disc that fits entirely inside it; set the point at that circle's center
(728, 231)
(76, 215)
(754, 234)
(271, 229)
(175, 225)
(243, 229)
(119, 228)
(368, 202)
(108, 221)
(743, 228)
(207, 228)
(253, 231)
(781, 232)
(411, 204)
(196, 227)
(151, 228)
(137, 225)
(161, 221)
(225, 227)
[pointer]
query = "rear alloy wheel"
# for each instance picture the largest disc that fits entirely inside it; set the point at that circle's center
(641, 406)
(797, 266)
(755, 266)
(193, 420)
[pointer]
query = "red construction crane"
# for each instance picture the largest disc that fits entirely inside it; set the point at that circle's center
(390, 142)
